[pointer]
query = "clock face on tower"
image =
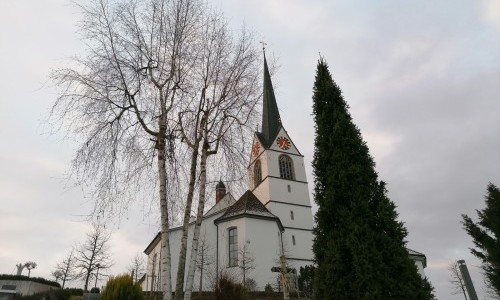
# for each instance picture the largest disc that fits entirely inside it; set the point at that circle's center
(283, 143)
(256, 149)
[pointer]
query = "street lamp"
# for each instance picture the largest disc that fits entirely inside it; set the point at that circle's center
(97, 274)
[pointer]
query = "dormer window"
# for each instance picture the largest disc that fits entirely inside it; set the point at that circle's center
(257, 173)
(286, 167)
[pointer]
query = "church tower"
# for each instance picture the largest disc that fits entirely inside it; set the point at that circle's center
(277, 177)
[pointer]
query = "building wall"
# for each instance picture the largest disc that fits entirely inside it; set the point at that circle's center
(27, 288)
(208, 233)
(263, 243)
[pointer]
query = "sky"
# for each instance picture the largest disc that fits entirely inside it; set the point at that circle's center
(421, 79)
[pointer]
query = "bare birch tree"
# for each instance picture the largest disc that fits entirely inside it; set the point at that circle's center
(227, 101)
(66, 268)
(93, 254)
(216, 117)
(119, 100)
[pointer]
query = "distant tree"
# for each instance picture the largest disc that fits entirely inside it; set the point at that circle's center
(30, 266)
(359, 245)
(486, 237)
(57, 275)
(93, 254)
(136, 267)
(66, 268)
(456, 280)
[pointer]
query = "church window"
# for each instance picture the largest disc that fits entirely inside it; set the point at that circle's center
(257, 173)
(233, 247)
(286, 167)
(291, 214)
(293, 240)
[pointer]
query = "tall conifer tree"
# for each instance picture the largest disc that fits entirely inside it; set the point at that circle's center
(486, 237)
(359, 245)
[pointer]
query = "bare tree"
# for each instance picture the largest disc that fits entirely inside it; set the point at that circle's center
(205, 259)
(57, 275)
(119, 100)
(30, 265)
(150, 66)
(136, 267)
(93, 254)
(456, 280)
(223, 112)
(246, 263)
(66, 268)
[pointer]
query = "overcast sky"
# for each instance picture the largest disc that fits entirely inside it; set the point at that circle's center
(422, 79)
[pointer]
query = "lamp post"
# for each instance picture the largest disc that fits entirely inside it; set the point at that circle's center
(96, 274)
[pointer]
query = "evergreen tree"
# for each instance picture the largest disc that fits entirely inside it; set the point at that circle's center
(486, 237)
(359, 245)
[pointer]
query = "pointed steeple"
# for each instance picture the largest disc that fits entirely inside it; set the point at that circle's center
(271, 121)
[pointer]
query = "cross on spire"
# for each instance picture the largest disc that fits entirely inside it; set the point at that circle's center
(264, 44)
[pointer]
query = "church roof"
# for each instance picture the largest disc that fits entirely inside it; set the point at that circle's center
(271, 121)
(248, 206)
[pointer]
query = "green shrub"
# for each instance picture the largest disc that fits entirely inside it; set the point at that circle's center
(123, 288)
(268, 288)
(229, 290)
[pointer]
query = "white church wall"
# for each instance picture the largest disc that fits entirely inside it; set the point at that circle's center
(208, 232)
(302, 216)
(261, 237)
(278, 191)
(302, 249)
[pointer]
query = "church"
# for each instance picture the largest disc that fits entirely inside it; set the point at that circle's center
(270, 226)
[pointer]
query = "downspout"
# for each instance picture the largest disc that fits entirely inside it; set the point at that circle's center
(217, 257)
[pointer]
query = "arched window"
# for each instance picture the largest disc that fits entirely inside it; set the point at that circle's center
(286, 167)
(257, 173)
(233, 247)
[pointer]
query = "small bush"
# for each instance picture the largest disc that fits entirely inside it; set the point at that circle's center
(75, 291)
(229, 290)
(268, 288)
(123, 288)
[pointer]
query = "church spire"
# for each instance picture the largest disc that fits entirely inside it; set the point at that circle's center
(271, 121)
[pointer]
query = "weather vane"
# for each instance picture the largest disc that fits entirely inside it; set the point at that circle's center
(263, 45)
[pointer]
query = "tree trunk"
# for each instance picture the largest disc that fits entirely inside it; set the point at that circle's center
(199, 218)
(179, 287)
(165, 243)
(87, 281)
